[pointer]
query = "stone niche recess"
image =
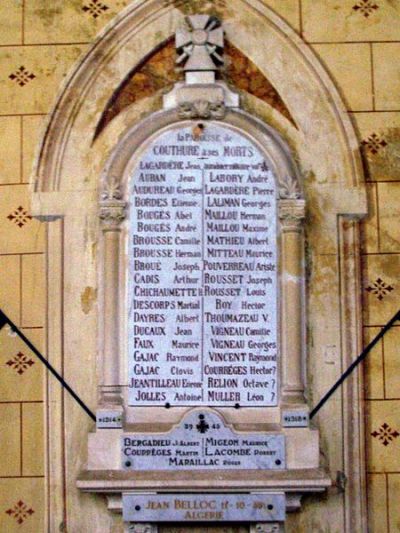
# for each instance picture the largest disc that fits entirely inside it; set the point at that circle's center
(219, 241)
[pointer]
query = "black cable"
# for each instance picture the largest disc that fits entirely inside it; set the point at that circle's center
(5, 320)
(355, 363)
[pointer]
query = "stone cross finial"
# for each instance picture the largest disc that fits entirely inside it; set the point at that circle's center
(200, 45)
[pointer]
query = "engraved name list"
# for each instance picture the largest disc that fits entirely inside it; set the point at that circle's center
(202, 290)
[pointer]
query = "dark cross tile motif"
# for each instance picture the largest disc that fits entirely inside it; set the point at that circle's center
(20, 512)
(22, 76)
(95, 8)
(385, 434)
(374, 143)
(20, 216)
(366, 7)
(379, 288)
(20, 363)
(202, 426)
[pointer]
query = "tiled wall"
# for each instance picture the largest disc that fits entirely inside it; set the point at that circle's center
(359, 42)
(39, 41)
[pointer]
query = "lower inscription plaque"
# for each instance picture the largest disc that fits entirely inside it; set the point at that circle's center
(202, 441)
(267, 507)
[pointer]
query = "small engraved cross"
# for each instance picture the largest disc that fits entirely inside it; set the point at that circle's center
(202, 426)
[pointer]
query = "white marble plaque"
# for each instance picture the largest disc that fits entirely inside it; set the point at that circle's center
(202, 295)
(203, 507)
(295, 419)
(108, 419)
(203, 442)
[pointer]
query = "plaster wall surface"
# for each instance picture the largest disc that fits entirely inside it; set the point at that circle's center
(359, 43)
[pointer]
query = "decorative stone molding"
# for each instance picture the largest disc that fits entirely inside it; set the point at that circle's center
(112, 213)
(141, 528)
(111, 190)
(202, 109)
(112, 206)
(292, 214)
(289, 188)
(272, 527)
(293, 501)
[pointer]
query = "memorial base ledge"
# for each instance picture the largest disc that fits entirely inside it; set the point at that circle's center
(288, 481)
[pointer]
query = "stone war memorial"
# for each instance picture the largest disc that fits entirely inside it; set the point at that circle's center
(218, 232)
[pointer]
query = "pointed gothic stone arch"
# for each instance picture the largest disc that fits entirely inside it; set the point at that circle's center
(158, 73)
(66, 183)
(287, 61)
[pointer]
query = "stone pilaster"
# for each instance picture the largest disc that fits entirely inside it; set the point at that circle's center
(112, 214)
(291, 215)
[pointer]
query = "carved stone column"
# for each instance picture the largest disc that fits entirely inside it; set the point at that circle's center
(291, 215)
(112, 214)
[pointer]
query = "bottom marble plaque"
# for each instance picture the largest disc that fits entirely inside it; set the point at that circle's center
(202, 441)
(263, 507)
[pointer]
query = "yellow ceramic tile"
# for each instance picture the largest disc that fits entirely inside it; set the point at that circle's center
(10, 22)
(383, 435)
(19, 232)
(389, 216)
(33, 290)
(32, 127)
(387, 76)
(391, 343)
(381, 288)
(10, 290)
(66, 21)
(380, 144)
(22, 505)
(369, 224)
(10, 144)
(344, 20)
(21, 372)
(350, 68)
(374, 381)
(33, 439)
(288, 10)
(377, 503)
(30, 76)
(10, 439)
(393, 503)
